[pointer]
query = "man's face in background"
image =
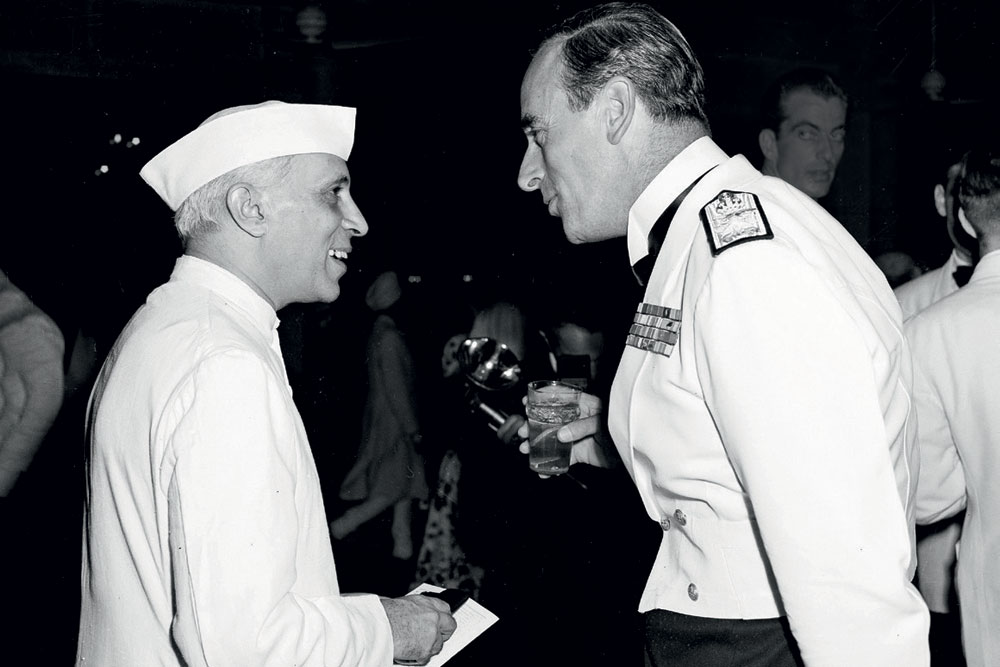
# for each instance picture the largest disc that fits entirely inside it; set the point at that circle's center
(809, 143)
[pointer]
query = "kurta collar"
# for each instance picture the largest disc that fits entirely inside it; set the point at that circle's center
(700, 156)
(236, 292)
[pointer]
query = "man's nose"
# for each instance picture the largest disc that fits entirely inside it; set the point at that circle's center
(825, 148)
(354, 221)
(531, 173)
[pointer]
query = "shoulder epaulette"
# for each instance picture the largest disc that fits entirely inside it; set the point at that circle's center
(733, 218)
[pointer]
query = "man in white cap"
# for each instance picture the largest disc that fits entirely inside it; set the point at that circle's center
(205, 538)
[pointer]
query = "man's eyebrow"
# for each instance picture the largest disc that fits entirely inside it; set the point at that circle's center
(341, 181)
(529, 121)
(805, 123)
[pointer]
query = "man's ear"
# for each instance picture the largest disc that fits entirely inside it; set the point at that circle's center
(768, 142)
(940, 202)
(618, 108)
(243, 202)
(966, 225)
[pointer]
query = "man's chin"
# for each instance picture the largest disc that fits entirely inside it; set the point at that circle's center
(572, 233)
(815, 189)
(328, 293)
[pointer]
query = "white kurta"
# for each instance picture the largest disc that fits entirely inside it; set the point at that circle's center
(957, 382)
(770, 437)
(931, 287)
(206, 541)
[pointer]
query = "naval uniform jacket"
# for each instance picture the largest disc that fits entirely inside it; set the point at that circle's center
(762, 408)
(956, 384)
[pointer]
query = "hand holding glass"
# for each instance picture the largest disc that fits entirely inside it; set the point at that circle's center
(550, 405)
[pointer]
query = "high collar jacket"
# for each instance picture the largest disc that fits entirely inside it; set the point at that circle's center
(762, 408)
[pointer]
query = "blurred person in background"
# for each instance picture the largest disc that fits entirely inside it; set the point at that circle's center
(31, 380)
(804, 129)
(934, 285)
(375, 533)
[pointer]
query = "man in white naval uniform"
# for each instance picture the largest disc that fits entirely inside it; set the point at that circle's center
(205, 537)
(956, 384)
(761, 404)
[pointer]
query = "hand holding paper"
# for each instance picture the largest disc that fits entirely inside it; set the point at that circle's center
(472, 618)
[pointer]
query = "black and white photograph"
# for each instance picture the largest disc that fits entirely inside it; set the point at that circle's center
(352, 333)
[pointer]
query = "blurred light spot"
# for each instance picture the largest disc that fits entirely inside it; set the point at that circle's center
(414, 279)
(103, 169)
(467, 278)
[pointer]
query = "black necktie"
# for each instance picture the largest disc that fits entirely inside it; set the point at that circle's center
(962, 274)
(658, 232)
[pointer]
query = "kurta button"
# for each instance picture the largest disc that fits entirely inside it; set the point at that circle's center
(693, 592)
(665, 523)
(680, 517)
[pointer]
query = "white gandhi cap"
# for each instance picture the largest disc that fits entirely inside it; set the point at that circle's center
(243, 135)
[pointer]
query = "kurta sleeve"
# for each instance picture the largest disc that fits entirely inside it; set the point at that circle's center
(236, 526)
(941, 491)
(789, 381)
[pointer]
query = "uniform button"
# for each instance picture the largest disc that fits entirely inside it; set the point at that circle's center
(680, 517)
(693, 592)
(665, 523)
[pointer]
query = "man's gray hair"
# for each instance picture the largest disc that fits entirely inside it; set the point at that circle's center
(636, 42)
(205, 209)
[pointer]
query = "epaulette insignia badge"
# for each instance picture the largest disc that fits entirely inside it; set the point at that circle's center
(733, 218)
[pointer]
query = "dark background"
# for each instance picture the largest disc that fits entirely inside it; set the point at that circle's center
(438, 140)
(434, 167)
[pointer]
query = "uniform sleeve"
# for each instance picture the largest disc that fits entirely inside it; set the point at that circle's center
(235, 530)
(790, 384)
(941, 491)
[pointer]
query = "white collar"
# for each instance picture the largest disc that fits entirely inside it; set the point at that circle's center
(697, 158)
(227, 285)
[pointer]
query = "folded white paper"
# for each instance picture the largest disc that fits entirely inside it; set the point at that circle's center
(472, 618)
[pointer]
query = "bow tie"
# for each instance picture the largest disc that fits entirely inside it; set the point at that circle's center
(961, 275)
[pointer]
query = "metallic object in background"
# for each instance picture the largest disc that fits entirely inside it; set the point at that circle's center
(491, 366)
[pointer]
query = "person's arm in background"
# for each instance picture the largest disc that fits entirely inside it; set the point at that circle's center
(31, 381)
